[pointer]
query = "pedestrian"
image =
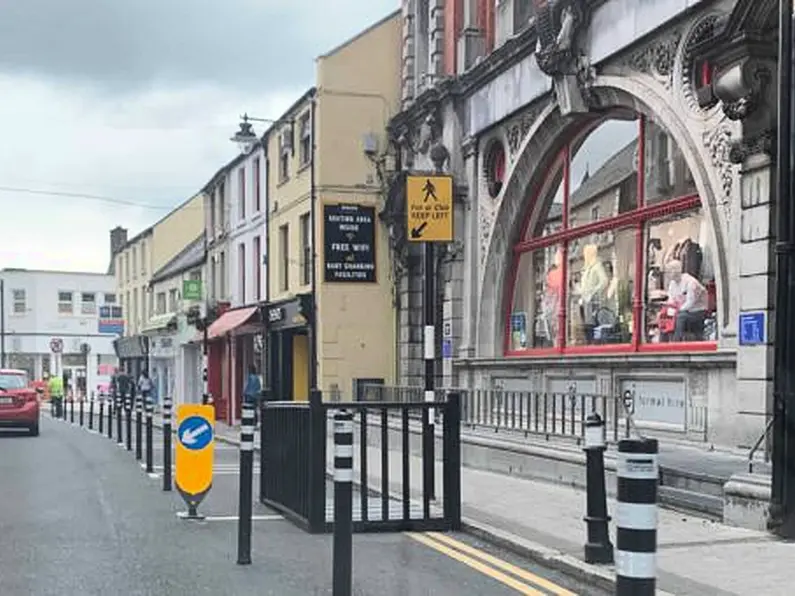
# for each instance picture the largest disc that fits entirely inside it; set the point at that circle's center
(144, 385)
(55, 385)
(252, 391)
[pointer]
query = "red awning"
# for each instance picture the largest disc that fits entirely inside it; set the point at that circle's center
(229, 321)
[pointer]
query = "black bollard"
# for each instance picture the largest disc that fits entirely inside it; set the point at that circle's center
(636, 517)
(246, 485)
(598, 548)
(101, 429)
(72, 410)
(139, 420)
(91, 413)
(119, 433)
(167, 443)
(149, 455)
(128, 412)
(80, 410)
(342, 555)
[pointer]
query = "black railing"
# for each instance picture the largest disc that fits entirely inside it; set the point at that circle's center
(394, 464)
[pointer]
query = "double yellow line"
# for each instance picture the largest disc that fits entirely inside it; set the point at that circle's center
(506, 573)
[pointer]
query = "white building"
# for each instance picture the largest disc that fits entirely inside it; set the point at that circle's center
(52, 316)
(174, 357)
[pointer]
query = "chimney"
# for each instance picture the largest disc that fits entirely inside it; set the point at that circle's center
(118, 238)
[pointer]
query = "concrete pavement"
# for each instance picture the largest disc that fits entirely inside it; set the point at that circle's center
(79, 516)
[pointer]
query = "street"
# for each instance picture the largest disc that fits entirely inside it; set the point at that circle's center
(79, 516)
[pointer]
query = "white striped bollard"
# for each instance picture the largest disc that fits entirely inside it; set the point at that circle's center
(167, 444)
(150, 411)
(636, 517)
(139, 427)
(246, 485)
(343, 504)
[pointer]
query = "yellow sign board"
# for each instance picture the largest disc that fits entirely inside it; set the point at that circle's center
(429, 208)
(195, 451)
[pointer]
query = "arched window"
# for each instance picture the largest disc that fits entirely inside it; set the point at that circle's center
(610, 260)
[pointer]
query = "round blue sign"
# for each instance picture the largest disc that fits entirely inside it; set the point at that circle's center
(195, 433)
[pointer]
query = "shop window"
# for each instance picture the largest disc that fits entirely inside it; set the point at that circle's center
(610, 259)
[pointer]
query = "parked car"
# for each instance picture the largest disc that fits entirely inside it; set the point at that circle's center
(19, 403)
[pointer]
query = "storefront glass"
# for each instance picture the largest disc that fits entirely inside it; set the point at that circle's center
(609, 260)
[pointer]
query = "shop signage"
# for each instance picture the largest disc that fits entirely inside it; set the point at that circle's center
(111, 320)
(752, 328)
(660, 401)
(429, 209)
(191, 289)
(349, 243)
(275, 314)
(289, 314)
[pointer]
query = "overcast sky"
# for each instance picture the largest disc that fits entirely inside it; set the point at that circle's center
(134, 101)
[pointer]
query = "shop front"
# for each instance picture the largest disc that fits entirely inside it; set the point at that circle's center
(288, 350)
(132, 353)
(162, 333)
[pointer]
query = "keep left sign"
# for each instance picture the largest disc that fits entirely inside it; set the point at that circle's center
(195, 451)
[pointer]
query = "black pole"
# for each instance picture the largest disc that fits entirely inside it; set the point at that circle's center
(128, 411)
(246, 485)
(149, 450)
(343, 504)
(72, 409)
(139, 419)
(119, 434)
(167, 444)
(91, 413)
(80, 409)
(2, 324)
(636, 512)
(598, 549)
(313, 273)
(429, 349)
(205, 359)
(782, 495)
(101, 429)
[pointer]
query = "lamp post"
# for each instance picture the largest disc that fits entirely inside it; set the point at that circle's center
(2, 324)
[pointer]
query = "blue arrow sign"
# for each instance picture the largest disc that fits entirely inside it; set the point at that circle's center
(195, 433)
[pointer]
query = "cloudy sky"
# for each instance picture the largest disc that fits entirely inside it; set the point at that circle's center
(122, 109)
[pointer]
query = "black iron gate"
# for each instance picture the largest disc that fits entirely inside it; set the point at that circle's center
(394, 464)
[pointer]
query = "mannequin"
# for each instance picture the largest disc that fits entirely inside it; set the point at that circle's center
(593, 285)
(552, 292)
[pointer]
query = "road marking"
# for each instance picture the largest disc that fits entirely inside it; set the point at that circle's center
(235, 518)
(500, 564)
(503, 578)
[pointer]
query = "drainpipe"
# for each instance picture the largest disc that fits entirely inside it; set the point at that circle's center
(312, 224)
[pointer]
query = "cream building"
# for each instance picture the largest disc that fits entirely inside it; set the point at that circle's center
(326, 244)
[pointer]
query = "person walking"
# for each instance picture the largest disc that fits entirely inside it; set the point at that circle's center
(252, 390)
(55, 385)
(144, 385)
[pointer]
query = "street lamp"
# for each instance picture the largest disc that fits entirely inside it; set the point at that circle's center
(245, 137)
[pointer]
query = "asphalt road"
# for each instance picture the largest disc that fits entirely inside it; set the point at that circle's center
(78, 516)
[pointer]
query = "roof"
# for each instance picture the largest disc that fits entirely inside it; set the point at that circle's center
(284, 118)
(362, 33)
(190, 256)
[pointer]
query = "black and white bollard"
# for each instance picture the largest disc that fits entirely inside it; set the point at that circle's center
(139, 428)
(72, 410)
(246, 485)
(101, 414)
(636, 517)
(167, 443)
(598, 548)
(150, 410)
(91, 413)
(128, 406)
(343, 504)
(80, 410)
(118, 406)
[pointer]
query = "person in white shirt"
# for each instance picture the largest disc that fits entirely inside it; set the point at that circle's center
(687, 294)
(144, 385)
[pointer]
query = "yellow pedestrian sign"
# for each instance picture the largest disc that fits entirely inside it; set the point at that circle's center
(429, 208)
(194, 454)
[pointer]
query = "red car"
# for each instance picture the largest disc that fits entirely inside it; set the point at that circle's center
(19, 404)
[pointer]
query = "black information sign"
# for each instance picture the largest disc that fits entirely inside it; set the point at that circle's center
(349, 243)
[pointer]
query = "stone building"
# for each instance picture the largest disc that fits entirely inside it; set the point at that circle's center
(597, 147)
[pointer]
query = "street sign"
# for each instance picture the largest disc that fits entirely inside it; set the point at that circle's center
(194, 452)
(56, 345)
(191, 289)
(429, 208)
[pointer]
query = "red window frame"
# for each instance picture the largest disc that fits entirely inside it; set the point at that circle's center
(637, 219)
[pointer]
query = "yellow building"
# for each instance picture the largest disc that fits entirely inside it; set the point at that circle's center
(139, 258)
(326, 244)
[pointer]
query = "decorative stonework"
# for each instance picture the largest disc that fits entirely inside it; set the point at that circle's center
(658, 59)
(764, 142)
(518, 128)
(701, 31)
(487, 211)
(718, 142)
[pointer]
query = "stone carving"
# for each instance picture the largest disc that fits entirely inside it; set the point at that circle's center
(702, 30)
(763, 142)
(745, 89)
(559, 24)
(487, 211)
(658, 58)
(516, 130)
(429, 142)
(718, 142)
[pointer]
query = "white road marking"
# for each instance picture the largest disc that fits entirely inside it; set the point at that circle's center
(235, 518)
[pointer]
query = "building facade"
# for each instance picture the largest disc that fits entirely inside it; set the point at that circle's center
(135, 262)
(613, 185)
(61, 321)
(174, 354)
(235, 226)
(329, 311)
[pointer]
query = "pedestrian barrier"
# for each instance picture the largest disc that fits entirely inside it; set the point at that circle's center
(636, 517)
(246, 485)
(293, 465)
